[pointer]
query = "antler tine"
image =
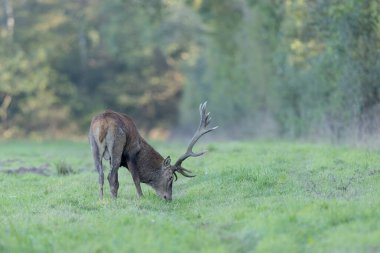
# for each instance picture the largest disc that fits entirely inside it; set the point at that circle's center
(202, 130)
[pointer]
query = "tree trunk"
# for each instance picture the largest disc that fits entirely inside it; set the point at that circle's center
(8, 21)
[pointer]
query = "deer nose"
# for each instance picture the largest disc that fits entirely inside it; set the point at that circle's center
(167, 198)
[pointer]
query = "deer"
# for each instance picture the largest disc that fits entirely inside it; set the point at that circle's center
(114, 137)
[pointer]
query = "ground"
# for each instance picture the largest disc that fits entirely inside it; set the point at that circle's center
(246, 197)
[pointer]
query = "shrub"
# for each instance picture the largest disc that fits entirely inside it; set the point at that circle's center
(63, 168)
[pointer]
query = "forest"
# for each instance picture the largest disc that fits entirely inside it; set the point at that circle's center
(268, 68)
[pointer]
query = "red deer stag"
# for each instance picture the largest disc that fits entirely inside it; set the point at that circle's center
(114, 137)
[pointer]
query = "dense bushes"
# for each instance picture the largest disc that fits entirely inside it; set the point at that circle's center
(310, 66)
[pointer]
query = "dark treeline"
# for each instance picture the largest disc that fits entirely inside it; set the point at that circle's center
(285, 67)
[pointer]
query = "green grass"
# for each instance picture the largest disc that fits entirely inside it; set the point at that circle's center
(246, 197)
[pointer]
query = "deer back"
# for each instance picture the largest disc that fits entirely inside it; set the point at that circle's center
(115, 133)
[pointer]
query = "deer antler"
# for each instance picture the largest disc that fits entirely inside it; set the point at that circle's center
(202, 130)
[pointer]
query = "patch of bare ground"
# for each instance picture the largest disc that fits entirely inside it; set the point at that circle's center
(42, 170)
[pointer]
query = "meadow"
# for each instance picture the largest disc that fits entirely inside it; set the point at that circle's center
(246, 197)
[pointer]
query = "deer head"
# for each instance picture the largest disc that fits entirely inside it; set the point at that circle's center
(164, 186)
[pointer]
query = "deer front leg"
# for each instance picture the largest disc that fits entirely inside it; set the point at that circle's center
(135, 176)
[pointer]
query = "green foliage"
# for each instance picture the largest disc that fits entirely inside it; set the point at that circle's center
(64, 61)
(312, 66)
(328, 67)
(261, 197)
(27, 80)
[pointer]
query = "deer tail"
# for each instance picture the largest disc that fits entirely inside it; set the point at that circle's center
(102, 133)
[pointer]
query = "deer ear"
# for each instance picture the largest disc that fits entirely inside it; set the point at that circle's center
(167, 161)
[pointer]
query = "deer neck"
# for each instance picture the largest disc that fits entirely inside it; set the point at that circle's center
(149, 163)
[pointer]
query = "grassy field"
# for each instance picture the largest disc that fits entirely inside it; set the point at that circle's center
(246, 197)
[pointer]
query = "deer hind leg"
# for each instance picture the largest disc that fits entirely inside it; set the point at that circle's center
(98, 165)
(113, 180)
(115, 161)
(101, 179)
(113, 175)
